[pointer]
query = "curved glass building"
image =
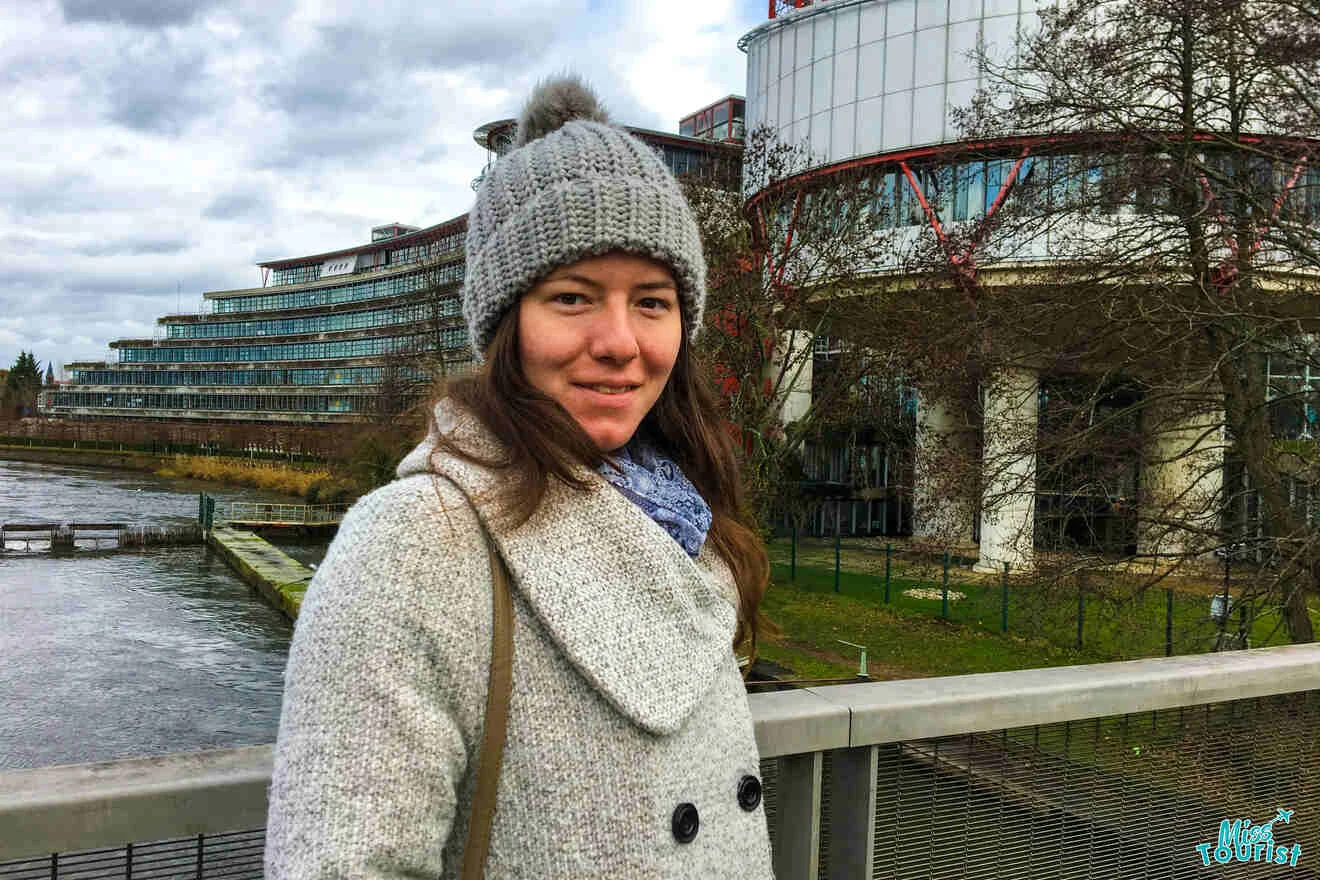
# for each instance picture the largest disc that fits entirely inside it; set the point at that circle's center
(868, 88)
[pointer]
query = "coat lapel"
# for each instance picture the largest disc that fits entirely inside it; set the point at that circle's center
(642, 622)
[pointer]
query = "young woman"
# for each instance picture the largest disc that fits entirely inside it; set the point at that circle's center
(588, 448)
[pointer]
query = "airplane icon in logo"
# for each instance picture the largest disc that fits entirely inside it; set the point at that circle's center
(1284, 815)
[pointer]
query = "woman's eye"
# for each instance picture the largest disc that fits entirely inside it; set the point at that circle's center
(570, 299)
(655, 303)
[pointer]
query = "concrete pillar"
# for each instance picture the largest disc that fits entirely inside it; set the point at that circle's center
(941, 494)
(1008, 462)
(1182, 480)
(793, 356)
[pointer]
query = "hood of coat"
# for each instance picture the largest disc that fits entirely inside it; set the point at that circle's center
(644, 624)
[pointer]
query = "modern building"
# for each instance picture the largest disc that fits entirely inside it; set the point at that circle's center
(868, 87)
(327, 337)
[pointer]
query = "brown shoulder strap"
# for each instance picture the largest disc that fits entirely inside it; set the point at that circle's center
(497, 718)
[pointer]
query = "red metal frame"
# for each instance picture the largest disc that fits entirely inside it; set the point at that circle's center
(1224, 274)
(964, 263)
(795, 4)
(1037, 142)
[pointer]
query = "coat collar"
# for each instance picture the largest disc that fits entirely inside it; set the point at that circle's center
(646, 625)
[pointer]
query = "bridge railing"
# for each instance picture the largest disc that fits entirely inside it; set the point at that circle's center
(289, 514)
(1112, 770)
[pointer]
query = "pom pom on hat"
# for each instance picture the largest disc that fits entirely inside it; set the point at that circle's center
(554, 102)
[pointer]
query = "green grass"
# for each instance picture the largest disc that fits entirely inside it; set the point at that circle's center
(899, 645)
(908, 636)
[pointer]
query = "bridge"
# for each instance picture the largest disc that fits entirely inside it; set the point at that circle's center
(1114, 770)
(256, 514)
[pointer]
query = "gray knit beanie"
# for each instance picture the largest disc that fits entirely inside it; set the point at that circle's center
(574, 187)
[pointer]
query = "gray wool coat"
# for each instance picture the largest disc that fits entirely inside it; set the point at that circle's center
(627, 700)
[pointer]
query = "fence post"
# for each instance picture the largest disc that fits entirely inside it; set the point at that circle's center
(889, 553)
(837, 538)
(1003, 603)
(792, 565)
(796, 822)
(944, 609)
(1168, 621)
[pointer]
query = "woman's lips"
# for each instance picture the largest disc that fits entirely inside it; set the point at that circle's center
(609, 398)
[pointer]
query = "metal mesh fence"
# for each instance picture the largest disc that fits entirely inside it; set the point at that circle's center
(233, 856)
(1125, 797)
(1166, 794)
(1130, 796)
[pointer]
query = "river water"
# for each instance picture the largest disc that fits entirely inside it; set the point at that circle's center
(107, 655)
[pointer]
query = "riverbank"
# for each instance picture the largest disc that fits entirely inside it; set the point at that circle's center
(106, 458)
(314, 484)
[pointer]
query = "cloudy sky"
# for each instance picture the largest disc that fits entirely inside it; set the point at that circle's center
(156, 149)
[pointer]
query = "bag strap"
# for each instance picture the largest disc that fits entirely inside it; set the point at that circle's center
(498, 691)
(497, 719)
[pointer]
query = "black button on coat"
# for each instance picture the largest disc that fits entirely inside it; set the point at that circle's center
(686, 823)
(749, 793)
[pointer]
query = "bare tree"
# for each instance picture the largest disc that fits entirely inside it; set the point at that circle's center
(1154, 256)
(781, 269)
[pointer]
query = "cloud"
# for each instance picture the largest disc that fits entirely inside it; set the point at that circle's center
(157, 83)
(237, 204)
(156, 149)
(133, 247)
(136, 13)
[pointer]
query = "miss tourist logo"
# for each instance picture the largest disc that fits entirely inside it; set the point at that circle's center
(1245, 842)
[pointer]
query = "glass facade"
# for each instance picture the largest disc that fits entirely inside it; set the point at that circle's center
(854, 79)
(374, 259)
(287, 403)
(377, 288)
(195, 378)
(297, 274)
(294, 351)
(317, 323)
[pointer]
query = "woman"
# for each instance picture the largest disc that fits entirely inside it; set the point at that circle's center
(590, 450)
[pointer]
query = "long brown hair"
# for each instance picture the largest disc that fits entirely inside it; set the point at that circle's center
(542, 441)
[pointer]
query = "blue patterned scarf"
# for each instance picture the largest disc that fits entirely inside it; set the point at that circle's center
(657, 485)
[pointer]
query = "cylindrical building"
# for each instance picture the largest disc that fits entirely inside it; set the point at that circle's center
(869, 88)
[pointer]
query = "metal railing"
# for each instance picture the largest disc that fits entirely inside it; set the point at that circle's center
(1113, 770)
(280, 514)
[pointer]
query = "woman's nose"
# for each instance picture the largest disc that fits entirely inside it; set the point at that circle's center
(613, 335)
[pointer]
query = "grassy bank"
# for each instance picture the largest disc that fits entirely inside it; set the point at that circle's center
(314, 485)
(900, 643)
(908, 637)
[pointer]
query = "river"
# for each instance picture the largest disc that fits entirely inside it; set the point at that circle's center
(112, 655)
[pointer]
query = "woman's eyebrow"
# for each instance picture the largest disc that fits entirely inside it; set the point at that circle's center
(658, 284)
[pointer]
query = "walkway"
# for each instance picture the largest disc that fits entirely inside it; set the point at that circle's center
(280, 579)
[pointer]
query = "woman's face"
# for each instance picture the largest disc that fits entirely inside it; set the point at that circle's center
(600, 337)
